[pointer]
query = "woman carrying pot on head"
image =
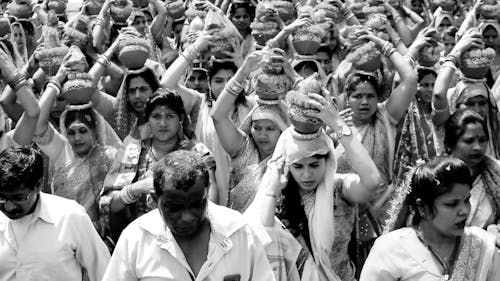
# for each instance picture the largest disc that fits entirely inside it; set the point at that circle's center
(466, 137)
(200, 105)
(129, 180)
(437, 245)
(315, 203)
(81, 154)
(242, 13)
(469, 93)
(252, 143)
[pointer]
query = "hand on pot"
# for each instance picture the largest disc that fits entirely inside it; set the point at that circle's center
(277, 171)
(296, 24)
(424, 38)
(254, 61)
(471, 39)
(236, 56)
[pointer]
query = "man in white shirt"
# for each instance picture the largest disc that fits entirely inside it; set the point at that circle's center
(187, 237)
(43, 237)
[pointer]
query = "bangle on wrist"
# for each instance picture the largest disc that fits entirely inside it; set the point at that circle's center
(191, 53)
(388, 49)
(16, 81)
(56, 83)
(103, 60)
(234, 87)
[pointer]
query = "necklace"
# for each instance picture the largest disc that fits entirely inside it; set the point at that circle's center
(448, 261)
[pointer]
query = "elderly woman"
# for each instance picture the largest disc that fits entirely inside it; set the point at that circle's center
(437, 245)
(468, 94)
(466, 137)
(129, 180)
(315, 203)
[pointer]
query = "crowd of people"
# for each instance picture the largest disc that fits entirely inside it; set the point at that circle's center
(234, 140)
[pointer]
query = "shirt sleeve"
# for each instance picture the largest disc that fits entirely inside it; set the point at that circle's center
(91, 251)
(120, 267)
(261, 269)
(54, 145)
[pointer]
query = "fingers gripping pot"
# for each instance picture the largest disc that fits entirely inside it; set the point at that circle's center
(297, 101)
(79, 86)
(271, 81)
(120, 10)
(20, 9)
(224, 32)
(307, 39)
(264, 27)
(364, 55)
(133, 50)
(430, 55)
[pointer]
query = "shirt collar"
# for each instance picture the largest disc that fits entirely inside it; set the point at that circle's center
(41, 211)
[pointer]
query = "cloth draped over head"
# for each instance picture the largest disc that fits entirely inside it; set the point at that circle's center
(275, 111)
(489, 23)
(468, 88)
(440, 15)
(293, 147)
(105, 133)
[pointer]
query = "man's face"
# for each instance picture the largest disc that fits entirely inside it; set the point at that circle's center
(18, 203)
(184, 211)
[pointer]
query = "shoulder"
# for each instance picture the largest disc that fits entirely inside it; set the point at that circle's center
(57, 208)
(395, 239)
(225, 220)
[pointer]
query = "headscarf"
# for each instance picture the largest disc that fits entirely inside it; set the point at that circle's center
(125, 119)
(301, 58)
(275, 111)
(442, 15)
(154, 52)
(489, 23)
(105, 133)
(294, 147)
(468, 88)
(22, 58)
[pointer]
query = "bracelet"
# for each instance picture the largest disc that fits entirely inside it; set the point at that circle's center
(19, 85)
(103, 60)
(449, 64)
(99, 21)
(234, 87)
(410, 59)
(16, 81)
(434, 110)
(388, 49)
(398, 18)
(349, 16)
(296, 82)
(451, 58)
(56, 83)
(191, 53)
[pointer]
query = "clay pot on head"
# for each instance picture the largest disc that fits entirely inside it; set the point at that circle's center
(120, 10)
(20, 9)
(133, 52)
(222, 45)
(78, 90)
(176, 9)
(140, 3)
(489, 10)
(272, 86)
(262, 38)
(285, 9)
(476, 62)
(299, 116)
(307, 47)
(370, 64)
(57, 6)
(51, 59)
(93, 7)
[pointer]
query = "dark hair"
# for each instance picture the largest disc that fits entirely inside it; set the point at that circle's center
(179, 169)
(87, 116)
(216, 67)
(450, 31)
(147, 75)
(306, 64)
(325, 49)
(422, 72)
(454, 127)
(245, 5)
(434, 179)
(296, 217)
(357, 78)
(20, 166)
(166, 97)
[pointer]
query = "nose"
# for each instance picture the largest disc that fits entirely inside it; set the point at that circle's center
(476, 146)
(77, 136)
(464, 210)
(163, 122)
(187, 217)
(306, 173)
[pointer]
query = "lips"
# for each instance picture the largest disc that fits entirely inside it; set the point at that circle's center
(460, 224)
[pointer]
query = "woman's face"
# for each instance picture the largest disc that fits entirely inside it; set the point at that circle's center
(471, 146)
(451, 211)
(138, 93)
(140, 24)
(58, 108)
(219, 81)
(478, 104)
(326, 62)
(198, 81)
(265, 133)
(363, 102)
(18, 35)
(165, 123)
(241, 19)
(309, 172)
(81, 138)
(425, 87)
(490, 38)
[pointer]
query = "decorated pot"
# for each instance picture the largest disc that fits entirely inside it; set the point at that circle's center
(4, 26)
(140, 3)
(120, 10)
(285, 9)
(330, 11)
(300, 110)
(446, 5)
(58, 6)
(175, 9)
(93, 7)
(133, 51)
(490, 9)
(272, 86)
(19, 9)
(264, 31)
(476, 62)
(79, 86)
(365, 57)
(307, 40)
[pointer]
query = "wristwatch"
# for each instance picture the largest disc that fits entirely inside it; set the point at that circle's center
(345, 132)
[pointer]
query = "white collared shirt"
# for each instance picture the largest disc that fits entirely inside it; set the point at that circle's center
(52, 244)
(147, 250)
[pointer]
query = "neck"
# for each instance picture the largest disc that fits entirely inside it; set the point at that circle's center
(358, 122)
(263, 155)
(435, 238)
(243, 33)
(163, 147)
(204, 229)
(425, 106)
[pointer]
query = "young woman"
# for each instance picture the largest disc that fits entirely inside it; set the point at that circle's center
(242, 14)
(316, 204)
(129, 180)
(466, 137)
(437, 246)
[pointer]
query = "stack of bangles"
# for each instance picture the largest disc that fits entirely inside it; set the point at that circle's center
(398, 18)
(451, 61)
(388, 49)
(55, 83)
(234, 87)
(34, 5)
(103, 60)
(16, 81)
(191, 53)
(347, 14)
(99, 21)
